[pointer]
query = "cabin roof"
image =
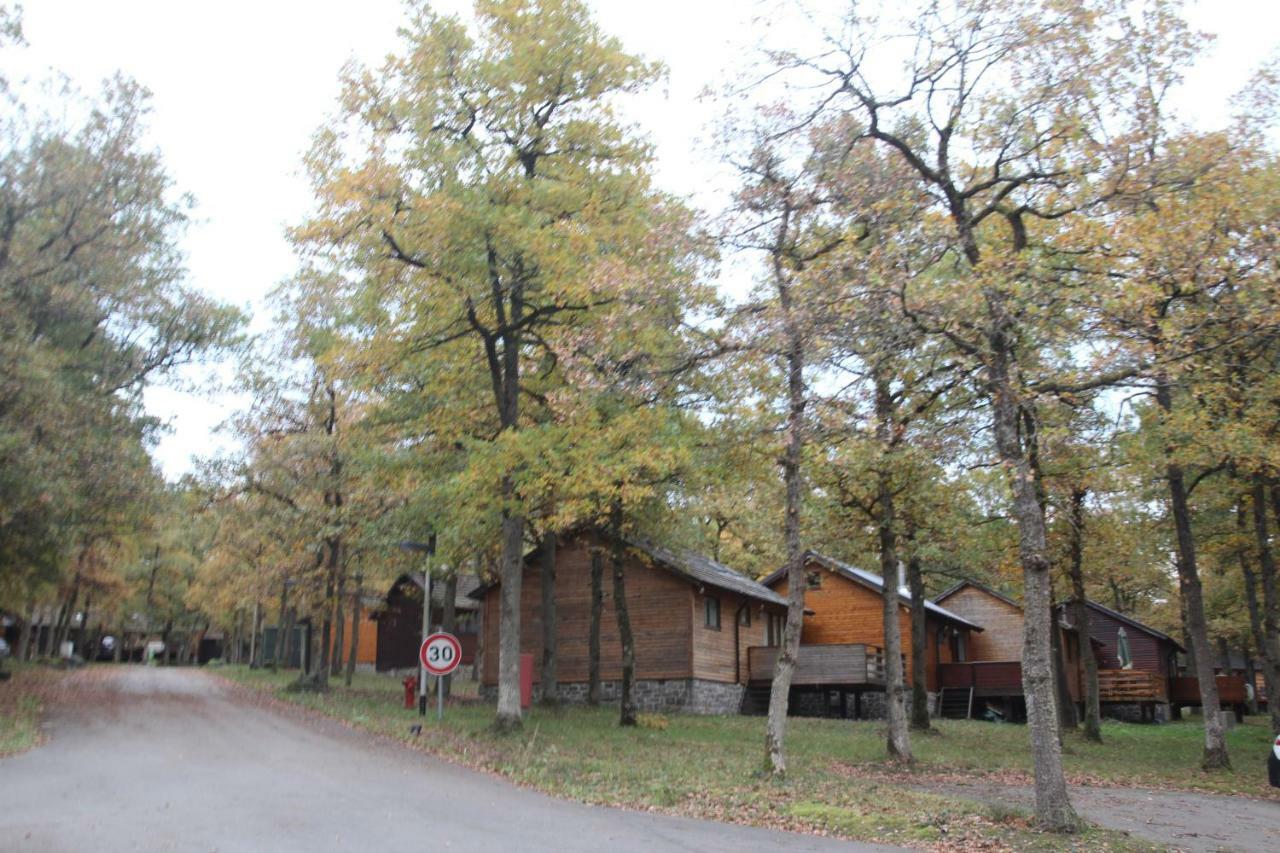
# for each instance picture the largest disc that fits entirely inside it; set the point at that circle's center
(463, 600)
(1131, 622)
(693, 567)
(981, 588)
(873, 582)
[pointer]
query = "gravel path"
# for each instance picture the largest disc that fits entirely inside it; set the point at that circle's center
(170, 760)
(1197, 823)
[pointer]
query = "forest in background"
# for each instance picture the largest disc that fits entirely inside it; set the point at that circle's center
(1010, 320)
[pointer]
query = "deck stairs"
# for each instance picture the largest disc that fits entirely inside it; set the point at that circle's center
(755, 700)
(956, 703)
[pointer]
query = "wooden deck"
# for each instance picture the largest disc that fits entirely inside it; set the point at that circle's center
(1132, 685)
(830, 665)
(1186, 691)
(987, 678)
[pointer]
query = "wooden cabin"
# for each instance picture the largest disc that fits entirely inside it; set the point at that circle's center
(1146, 682)
(399, 621)
(992, 677)
(693, 621)
(844, 623)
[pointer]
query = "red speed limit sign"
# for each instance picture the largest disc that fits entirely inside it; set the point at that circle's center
(440, 653)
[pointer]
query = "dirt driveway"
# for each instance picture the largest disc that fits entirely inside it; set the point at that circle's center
(1198, 823)
(170, 759)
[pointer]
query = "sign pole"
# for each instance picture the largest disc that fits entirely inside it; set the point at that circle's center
(440, 655)
(439, 698)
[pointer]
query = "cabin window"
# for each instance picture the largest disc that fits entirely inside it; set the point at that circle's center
(775, 627)
(958, 647)
(711, 612)
(814, 580)
(744, 616)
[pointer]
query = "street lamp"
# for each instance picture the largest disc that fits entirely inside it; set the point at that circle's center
(428, 548)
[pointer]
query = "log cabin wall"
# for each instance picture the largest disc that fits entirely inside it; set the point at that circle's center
(713, 649)
(846, 611)
(1150, 653)
(1001, 636)
(659, 603)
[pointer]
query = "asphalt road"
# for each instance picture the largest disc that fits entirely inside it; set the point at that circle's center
(168, 759)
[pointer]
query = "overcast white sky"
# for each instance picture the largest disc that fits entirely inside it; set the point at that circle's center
(240, 86)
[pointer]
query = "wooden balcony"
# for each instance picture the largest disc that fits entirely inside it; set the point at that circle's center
(987, 678)
(829, 665)
(1186, 691)
(1132, 685)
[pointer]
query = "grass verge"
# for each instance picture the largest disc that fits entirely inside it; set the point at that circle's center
(21, 704)
(704, 767)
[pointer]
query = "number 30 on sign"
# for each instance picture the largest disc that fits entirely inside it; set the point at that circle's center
(440, 653)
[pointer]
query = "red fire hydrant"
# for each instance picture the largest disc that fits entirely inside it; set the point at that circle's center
(410, 692)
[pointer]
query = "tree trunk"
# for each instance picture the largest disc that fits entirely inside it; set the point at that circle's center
(898, 742)
(1066, 706)
(165, 637)
(339, 629)
(1080, 616)
(919, 643)
(1052, 806)
(1215, 743)
(356, 604)
(550, 677)
(792, 457)
(284, 643)
(1250, 676)
(627, 698)
(449, 618)
(593, 636)
(1270, 599)
(24, 635)
(509, 713)
(1252, 603)
(46, 634)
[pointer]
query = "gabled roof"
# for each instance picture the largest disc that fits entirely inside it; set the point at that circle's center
(463, 600)
(692, 567)
(981, 588)
(872, 581)
(704, 570)
(1132, 623)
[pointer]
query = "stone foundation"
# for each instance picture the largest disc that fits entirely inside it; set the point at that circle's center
(1131, 712)
(809, 703)
(684, 695)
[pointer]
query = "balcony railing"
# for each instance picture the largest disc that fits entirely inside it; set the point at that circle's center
(1132, 685)
(987, 678)
(835, 664)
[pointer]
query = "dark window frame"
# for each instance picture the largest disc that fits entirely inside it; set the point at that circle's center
(710, 608)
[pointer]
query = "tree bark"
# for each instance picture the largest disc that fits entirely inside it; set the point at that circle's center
(1053, 806)
(356, 604)
(339, 629)
(550, 677)
(919, 641)
(1215, 743)
(24, 635)
(792, 458)
(509, 715)
(898, 742)
(1080, 616)
(1270, 599)
(593, 636)
(1250, 676)
(627, 699)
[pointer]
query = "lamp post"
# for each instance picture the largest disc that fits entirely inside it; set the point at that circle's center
(428, 548)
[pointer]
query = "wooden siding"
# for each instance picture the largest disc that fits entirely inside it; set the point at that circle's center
(829, 664)
(847, 612)
(1150, 653)
(367, 653)
(987, 678)
(1001, 635)
(659, 604)
(399, 629)
(721, 655)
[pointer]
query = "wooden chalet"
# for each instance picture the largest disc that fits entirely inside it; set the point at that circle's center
(694, 622)
(399, 621)
(842, 639)
(991, 679)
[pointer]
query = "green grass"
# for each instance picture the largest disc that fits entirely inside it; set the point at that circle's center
(20, 709)
(708, 767)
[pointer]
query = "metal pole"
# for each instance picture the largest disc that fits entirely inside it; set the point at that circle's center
(426, 632)
(439, 698)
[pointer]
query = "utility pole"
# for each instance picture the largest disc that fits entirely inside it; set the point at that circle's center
(429, 548)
